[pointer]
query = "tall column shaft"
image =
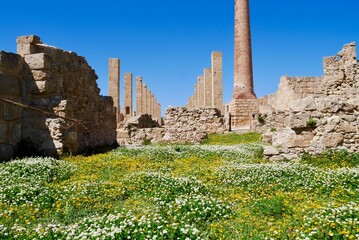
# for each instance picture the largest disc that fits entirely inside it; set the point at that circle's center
(139, 105)
(149, 103)
(217, 81)
(201, 91)
(114, 84)
(144, 99)
(207, 73)
(128, 95)
(195, 96)
(243, 69)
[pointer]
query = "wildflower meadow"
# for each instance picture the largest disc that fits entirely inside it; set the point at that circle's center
(181, 192)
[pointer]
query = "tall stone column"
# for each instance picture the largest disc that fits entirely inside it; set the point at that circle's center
(217, 82)
(139, 105)
(195, 98)
(207, 73)
(201, 91)
(159, 115)
(243, 70)
(128, 95)
(114, 84)
(149, 103)
(144, 99)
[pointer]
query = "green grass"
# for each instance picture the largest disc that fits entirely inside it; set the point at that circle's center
(179, 192)
(232, 139)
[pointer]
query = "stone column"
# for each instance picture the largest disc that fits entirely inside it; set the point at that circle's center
(154, 108)
(144, 99)
(243, 70)
(207, 73)
(195, 98)
(149, 103)
(128, 95)
(139, 105)
(114, 84)
(159, 115)
(217, 89)
(201, 91)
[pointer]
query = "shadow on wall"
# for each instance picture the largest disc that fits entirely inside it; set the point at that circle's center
(15, 78)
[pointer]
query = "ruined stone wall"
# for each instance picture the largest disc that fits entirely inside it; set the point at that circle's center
(327, 118)
(291, 89)
(13, 76)
(66, 85)
(182, 125)
(62, 110)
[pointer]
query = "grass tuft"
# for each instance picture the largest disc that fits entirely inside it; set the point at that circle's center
(232, 139)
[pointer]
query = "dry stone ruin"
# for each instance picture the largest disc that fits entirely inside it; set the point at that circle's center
(62, 110)
(319, 112)
(50, 103)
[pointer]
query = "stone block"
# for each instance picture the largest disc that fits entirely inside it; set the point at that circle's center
(270, 151)
(40, 75)
(329, 105)
(10, 63)
(10, 85)
(3, 132)
(284, 138)
(11, 112)
(27, 44)
(305, 104)
(299, 121)
(38, 61)
(331, 140)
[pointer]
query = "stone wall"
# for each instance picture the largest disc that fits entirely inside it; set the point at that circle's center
(182, 125)
(291, 89)
(13, 77)
(323, 119)
(240, 112)
(63, 86)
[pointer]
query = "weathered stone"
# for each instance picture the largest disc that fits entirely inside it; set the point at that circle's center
(11, 112)
(114, 84)
(10, 85)
(27, 44)
(299, 121)
(40, 75)
(305, 104)
(3, 133)
(38, 61)
(270, 151)
(10, 63)
(332, 140)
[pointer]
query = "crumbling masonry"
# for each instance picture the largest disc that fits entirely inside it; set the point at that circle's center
(58, 86)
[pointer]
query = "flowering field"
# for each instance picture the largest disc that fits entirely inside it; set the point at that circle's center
(178, 192)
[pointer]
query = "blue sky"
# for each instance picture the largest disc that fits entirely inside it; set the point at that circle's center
(169, 43)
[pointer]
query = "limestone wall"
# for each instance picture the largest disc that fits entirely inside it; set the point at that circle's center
(322, 117)
(13, 76)
(66, 85)
(58, 86)
(291, 89)
(182, 125)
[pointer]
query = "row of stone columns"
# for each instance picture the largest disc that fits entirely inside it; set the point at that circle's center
(208, 89)
(146, 103)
